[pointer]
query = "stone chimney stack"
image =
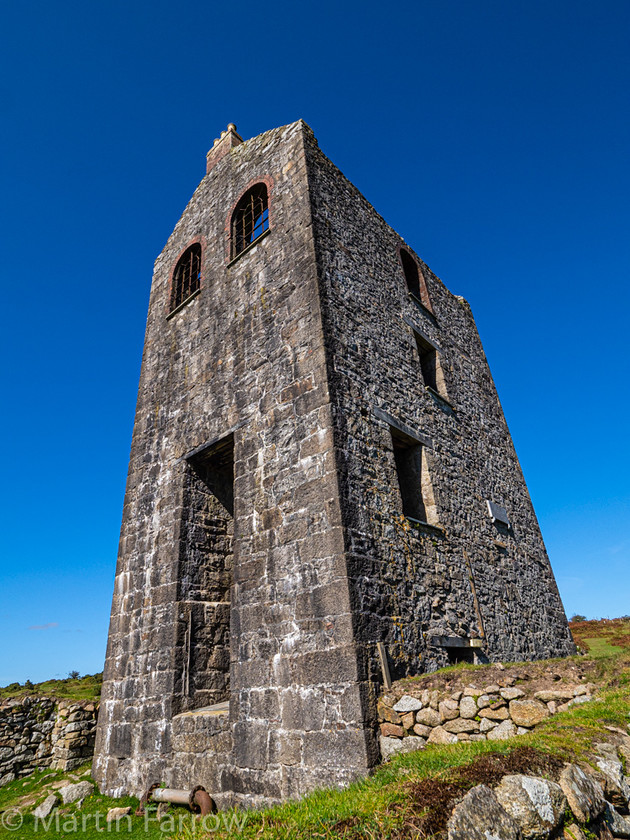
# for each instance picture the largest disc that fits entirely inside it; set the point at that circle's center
(222, 145)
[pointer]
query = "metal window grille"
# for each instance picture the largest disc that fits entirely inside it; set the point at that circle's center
(250, 219)
(187, 276)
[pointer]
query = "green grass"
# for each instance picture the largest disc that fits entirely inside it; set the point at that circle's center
(83, 688)
(601, 648)
(70, 820)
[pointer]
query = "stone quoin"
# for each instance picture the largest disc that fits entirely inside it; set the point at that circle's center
(322, 494)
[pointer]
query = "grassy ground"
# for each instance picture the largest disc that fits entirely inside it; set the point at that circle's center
(603, 638)
(83, 688)
(409, 797)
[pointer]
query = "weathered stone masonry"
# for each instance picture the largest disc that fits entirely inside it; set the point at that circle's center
(38, 732)
(282, 425)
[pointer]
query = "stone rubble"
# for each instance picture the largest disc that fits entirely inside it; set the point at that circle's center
(45, 809)
(536, 804)
(480, 816)
(525, 807)
(76, 793)
(115, 814)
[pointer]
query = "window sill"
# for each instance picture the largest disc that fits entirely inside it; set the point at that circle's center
(420, 525)
(439, 397)
(183, 304)
(422, 307)
(249, 247)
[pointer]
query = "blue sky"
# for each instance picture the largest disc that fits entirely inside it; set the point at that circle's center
(492, 135)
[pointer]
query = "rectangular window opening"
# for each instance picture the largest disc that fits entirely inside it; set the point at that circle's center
(416, 491)
(430, 366)
(206, 577)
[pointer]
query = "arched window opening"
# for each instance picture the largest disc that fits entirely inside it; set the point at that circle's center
(250, 218)
(410, 267)
(416, 283)
(187, 276)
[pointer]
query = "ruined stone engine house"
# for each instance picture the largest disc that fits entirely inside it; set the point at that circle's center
(322, 486)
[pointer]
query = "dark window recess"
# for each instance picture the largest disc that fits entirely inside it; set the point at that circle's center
(250, 218)
(460, 654)
(205, 578)
(416, 284)
(410, 269)
(430, 365)
(416, 492)
(187, 276)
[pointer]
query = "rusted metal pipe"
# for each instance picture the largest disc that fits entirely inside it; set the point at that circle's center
(202, 802)
(197, 799)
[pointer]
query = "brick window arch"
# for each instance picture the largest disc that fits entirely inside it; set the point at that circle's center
(416, 284)
(250, 219)
(187, 276)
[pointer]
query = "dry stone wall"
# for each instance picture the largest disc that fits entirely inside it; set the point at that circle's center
(492, 712)
(43, 732)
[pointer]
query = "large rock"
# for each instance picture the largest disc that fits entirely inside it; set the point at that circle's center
(502, 732)
(115, 814)
(429, 717)
(422, 730)
(392, 746)
(449, 710)
(554, 694)
(45, 808)
(584, 795)
(615, 786)
(407, 703)
(536, 804)
(439, 735)
(486, 725)
(512, 693)
(468, 707)
(390, 730)
(461, 725)
(408, 720)
(386, 713)
(619, 826)
(480, 816)
(73, 793)
(528, 712)
(495, 714)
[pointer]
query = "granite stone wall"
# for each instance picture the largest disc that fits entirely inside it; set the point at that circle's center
(244, 359)
(281, 423)
(460, 576)
(38, 732)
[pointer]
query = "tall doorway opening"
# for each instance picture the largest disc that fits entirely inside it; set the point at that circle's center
(205, 578)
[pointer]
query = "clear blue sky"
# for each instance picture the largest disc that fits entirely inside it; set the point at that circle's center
(492, 135)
